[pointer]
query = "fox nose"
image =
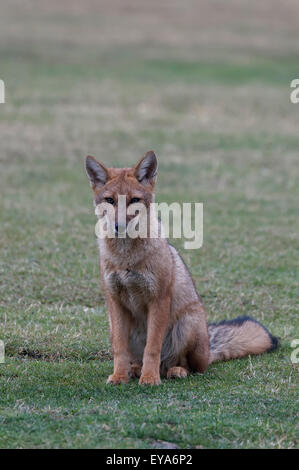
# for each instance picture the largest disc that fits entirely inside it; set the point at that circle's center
(120, 229)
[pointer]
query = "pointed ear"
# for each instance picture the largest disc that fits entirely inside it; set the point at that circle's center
(97, 173)
(146, 169)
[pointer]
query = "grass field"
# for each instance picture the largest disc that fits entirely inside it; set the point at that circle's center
(206, 85)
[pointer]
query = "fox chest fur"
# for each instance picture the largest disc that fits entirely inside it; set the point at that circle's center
(129, 274)
(134, 289)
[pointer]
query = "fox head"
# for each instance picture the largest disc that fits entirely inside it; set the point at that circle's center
(123, 188)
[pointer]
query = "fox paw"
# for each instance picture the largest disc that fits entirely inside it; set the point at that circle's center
(149, 380)
(179, 372)
(135, 371)
(117, 379)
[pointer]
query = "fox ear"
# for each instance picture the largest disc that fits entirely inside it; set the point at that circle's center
(146, 168)
(97, 173)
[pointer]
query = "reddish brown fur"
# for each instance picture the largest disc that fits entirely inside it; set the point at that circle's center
(157, 322)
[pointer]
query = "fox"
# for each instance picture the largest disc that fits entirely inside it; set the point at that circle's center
(158, 325)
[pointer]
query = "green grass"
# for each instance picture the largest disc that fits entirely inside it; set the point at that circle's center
(221, 122)
(67, 404)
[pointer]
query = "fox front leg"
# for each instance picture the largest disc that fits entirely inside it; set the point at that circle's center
(158, 315)
(120, 328)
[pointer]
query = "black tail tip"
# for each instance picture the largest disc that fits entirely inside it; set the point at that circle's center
(274, 342)
(274, 339)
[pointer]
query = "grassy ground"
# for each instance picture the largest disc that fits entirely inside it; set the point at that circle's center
(207, 87)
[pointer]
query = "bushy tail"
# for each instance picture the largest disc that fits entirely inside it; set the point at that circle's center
(239, 337)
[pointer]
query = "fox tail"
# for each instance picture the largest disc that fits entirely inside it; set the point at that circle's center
(239, 337)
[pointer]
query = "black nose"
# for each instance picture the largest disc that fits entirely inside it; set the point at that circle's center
(116, 228)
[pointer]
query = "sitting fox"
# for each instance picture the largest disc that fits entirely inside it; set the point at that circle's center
(158, 325)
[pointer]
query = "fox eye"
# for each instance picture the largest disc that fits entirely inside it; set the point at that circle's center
(110, 200)
(134, 199)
